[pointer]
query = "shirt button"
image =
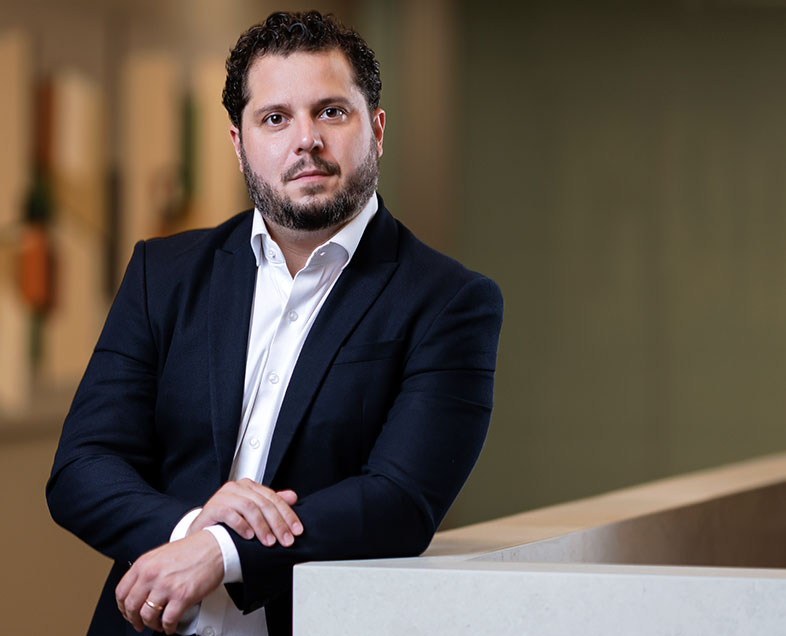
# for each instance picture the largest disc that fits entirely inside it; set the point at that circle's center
(273, 378)
(253, 443)
(271, 254)
(292, 316)
(209, 631)
(322, 253)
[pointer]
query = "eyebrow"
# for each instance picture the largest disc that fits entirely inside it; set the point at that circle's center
(328, 101)
(267, 108)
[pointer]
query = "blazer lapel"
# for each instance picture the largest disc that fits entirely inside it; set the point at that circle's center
(357, 288)
(230, 297)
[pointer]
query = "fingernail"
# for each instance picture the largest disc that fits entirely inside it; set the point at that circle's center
(249, 534)
(269, 539)
(297, 527)
(288, 539)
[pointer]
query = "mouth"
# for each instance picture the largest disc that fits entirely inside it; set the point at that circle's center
(313, 170)
(310, 175)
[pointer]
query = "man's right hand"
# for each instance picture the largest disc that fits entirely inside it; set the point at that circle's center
(252, 510)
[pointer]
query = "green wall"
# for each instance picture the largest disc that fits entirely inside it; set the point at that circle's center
(622, 175)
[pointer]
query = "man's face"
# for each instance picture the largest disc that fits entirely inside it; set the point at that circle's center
(309, 150)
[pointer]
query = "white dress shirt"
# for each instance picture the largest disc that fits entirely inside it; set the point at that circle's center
(283, 310)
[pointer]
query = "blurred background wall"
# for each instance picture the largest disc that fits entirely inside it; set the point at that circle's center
(618, 170)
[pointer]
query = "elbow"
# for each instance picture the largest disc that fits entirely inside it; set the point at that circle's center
(54, 501)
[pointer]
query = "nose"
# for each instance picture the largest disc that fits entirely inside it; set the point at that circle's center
(308, 138)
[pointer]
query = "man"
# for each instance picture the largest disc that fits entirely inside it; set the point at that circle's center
(306, 381)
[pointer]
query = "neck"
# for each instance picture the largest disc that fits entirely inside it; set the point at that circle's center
(297, 245)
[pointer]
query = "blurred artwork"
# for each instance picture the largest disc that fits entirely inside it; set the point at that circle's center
(78, 227)
(150, 156)
(77, 191)
(178, 167)
(35, 261)
(53, 232)
(219, 191)
(15, 161)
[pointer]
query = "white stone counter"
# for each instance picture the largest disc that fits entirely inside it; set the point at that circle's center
(445, 595)
(698, 554)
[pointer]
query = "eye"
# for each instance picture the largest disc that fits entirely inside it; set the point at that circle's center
(274, 119)
(333, 112)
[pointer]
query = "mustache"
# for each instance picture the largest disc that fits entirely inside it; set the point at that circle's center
(318, 163)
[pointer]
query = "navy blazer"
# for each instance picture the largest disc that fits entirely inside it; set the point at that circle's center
(383, 419)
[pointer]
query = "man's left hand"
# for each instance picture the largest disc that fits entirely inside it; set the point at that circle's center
(165, 582)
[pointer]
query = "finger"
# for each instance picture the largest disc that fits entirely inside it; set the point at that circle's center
(290, 496)
(122, 589)
(220, 508)
(171, 616)
(252, 508)
(238, 523)
(239, 512)
(133, 604)
(238, 508)
(132, 616)
(150, 616)
(283, 501)
(277, 515)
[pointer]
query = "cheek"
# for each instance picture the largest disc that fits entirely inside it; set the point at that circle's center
(267, 158)
(354, 151)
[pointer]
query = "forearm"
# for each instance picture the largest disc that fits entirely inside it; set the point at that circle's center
(391, 510)
(102, 483)
(103, 501)
(361, 517)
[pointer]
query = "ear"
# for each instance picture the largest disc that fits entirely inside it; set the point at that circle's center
(237, 142)
(378, 127)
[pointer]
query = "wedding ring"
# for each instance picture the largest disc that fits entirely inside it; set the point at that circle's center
(155, 606)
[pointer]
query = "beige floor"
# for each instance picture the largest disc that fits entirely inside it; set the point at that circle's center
(50, 580)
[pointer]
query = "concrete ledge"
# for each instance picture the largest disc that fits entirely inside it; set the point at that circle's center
(698, 554)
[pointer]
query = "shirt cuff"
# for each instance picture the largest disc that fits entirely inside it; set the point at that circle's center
(188, 621)
(181, 529)
(232, 571)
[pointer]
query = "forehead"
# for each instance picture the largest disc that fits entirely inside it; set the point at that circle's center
(301, 75)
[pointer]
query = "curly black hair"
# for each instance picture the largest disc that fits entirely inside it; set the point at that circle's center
(284, 33)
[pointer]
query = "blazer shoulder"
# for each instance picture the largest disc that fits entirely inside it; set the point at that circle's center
(230, 235)
(416, 255)
(184, 261)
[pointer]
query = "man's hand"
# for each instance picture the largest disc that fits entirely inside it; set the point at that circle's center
(165, 582)
(252, 510)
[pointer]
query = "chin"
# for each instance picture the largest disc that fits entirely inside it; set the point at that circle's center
(312, 191)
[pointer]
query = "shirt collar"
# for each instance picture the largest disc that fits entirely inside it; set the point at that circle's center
(348, 237)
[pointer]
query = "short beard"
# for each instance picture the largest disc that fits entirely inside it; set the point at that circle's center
(344, 204)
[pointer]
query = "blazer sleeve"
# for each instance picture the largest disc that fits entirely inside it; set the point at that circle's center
(100, 487)
(425, 451)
